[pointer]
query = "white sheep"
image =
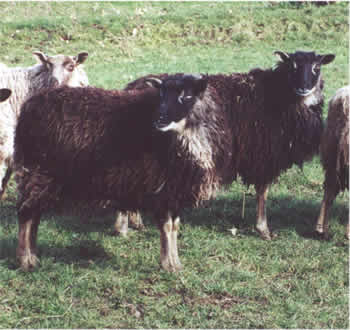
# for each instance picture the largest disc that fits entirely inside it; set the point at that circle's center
(51, 71)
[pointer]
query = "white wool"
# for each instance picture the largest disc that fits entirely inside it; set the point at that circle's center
(24, 83)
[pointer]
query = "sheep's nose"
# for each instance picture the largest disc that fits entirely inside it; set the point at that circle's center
(302, 91)
(160, 123)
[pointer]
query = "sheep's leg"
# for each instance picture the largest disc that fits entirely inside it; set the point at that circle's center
(168, 244)
(27, 234)
(5, 180)
(322, 227)
(37, 191)
(121, 224)
(123, 219)
(261, 220)
(135, 220)
(174, 250)
(3, 172)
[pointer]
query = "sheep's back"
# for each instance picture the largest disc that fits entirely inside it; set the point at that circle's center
(87, 127)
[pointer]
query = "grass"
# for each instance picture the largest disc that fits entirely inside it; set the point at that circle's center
(90, 279)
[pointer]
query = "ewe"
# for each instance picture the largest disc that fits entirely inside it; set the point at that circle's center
(95, 146)
(51, 71)
(275, 116)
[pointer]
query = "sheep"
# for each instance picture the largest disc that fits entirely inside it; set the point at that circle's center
(335, 156)
(96, 145)
(51, 71)
(276, 119)
(207, 131)
(6, 120)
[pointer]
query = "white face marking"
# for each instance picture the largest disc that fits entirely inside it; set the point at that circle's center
(311, 100)
(295, 66)
(307, 93)
(177, 127)
(180, 98)
(313, 69)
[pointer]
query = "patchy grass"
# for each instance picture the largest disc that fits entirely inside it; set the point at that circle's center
(90, 279)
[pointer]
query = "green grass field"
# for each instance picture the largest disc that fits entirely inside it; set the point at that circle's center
(90, 279)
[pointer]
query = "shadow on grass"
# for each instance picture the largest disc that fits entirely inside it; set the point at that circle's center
(282, 212)
(219, 215)
(82, 253)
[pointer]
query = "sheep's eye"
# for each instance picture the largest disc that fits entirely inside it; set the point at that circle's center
(70, 67)
(180, 99)
(295, 66)
(183, 98)
(315, 69)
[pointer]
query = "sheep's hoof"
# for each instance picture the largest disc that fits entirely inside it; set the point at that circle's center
(139, 227)
(323, 236)
(28, 262)
(171, 267)
(120, 233)
(265, 234)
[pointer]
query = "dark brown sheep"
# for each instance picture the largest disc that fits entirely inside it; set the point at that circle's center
(275, 116)
(335, 156)
(95, 146)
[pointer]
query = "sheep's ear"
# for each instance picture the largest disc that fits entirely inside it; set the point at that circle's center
(4, 94)
(153, 82)
(284, 57)
(41, 57)
(326, 59)
(81, 57)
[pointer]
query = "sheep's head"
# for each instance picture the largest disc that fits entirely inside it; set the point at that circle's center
(63, 69)
(304, 69)
(4, 94)
(178, 94)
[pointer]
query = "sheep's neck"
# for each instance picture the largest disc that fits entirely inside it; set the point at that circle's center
(201, 137)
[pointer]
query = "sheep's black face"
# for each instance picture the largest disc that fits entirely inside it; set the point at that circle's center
(178, 94)
(304, 70)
